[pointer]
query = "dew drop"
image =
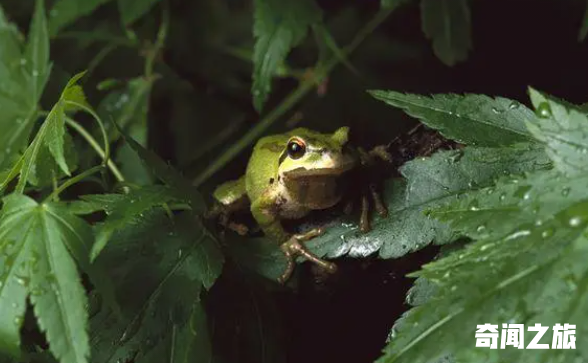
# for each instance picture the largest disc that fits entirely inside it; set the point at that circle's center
(485, 247)
(480, 228)
(575, 221)
(502, 196)
(496, 111)
(544, 110)
(513, 105)
(565, 191)
(35, 73)
(23, 61)
(547, 233)
(518, 234)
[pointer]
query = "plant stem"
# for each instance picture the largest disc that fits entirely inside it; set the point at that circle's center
(159, 42)
(94, 144)
(73, 181)
(292, 99)
(100, 124)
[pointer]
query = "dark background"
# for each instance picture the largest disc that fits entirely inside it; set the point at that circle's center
(204, 93)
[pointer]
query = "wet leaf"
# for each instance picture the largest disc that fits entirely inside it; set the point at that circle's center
(36, 263)
(158, 289)
(535, 275)
(124, 209)
(50, 139)
(468, 119)
(429, 182)
(564, 129)
(24, 70)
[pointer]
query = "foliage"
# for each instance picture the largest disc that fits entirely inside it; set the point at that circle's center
(106, 254)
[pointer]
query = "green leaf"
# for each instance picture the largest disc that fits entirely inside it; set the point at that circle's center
(36, 262)
(159, 290)
(23, 79)
(447, 23)
(538, 276)
(430, 182)
(55, 133)
(470, 119)
(392, 4)
(46, 170)
(278, 27)
(74, 95)
(527, 265)
(52, 135)
(564, 130)
(131, 10)
(165, 172)
(127, 209)
(208, 260)
(187, 342)
(584, 29)
(65, 12)
(128, 107)
(246, 308)
(37, 52)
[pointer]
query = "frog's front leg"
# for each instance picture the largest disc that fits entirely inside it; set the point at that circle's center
(265, 213)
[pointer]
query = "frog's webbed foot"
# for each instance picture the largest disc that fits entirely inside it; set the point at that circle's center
(293, 248)
(368, 159)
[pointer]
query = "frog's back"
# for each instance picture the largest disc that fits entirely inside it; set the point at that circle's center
(262, 169)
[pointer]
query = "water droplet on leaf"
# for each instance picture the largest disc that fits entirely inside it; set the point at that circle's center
(575, 221)
(544, 110)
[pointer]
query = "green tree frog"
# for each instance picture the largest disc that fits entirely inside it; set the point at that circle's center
(289, 175)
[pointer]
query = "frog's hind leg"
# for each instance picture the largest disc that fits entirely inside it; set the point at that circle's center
(293, 248)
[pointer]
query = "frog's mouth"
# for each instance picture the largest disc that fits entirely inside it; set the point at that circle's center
(303, 172)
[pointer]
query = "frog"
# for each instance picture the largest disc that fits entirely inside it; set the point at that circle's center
(291, 174)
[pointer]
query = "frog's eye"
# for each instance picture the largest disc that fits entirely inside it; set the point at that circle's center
(296, 149)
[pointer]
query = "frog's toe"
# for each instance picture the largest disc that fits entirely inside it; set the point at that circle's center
(293, 248)
(378, 203)
(364, 219)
